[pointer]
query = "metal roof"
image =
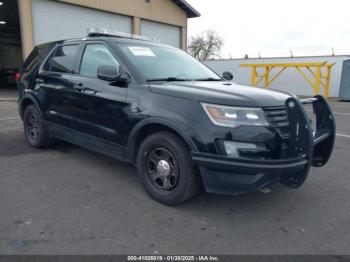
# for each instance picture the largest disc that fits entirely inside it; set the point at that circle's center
(189, 10)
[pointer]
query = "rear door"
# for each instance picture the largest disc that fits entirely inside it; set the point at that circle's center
(54, 81)
(100, 109)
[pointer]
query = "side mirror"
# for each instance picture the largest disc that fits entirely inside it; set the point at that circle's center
(111, 75)
(107, 73)
(122, 80)
(227, 76)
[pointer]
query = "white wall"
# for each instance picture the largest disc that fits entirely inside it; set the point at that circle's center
(290, 80)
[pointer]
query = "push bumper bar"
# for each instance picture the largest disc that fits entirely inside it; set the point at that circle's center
(306, 147)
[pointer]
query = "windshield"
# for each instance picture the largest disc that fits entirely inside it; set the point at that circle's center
(162, 63)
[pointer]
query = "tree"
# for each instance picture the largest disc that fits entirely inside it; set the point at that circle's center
(206, 45)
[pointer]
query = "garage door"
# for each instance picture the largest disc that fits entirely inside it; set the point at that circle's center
(167, 34)
(55, 21)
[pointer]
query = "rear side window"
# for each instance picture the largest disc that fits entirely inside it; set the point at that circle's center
(63, 59)
(31, 61)
(94, 56)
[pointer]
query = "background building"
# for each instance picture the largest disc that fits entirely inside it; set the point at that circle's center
(27, 23)
(291, 80)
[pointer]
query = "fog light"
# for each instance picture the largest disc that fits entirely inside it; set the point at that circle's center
(232, 148)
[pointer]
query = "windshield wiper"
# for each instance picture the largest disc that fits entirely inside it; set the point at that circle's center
(208, 79)
(167, 79)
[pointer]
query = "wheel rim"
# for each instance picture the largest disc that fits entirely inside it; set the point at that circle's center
(162, 169)
(33, 127)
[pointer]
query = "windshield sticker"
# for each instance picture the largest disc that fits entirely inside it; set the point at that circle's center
(141, 51)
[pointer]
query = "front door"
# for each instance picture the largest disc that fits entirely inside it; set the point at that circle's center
(99, 108)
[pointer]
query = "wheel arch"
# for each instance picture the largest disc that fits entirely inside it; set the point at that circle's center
(25, 102)
(151, 126)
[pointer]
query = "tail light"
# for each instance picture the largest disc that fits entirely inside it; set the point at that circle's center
(17, 76)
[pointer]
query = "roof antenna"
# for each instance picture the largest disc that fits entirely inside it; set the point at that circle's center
(259, 54)
(333, 52)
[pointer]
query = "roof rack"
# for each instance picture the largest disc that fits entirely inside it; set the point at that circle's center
(91, 32)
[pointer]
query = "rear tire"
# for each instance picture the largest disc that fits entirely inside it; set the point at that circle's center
(165, 168)
(35, 130)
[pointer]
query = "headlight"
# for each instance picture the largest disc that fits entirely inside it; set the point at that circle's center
(235, 116)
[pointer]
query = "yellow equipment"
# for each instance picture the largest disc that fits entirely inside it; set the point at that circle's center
(318, 77)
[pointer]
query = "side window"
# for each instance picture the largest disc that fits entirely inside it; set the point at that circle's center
(31, 61)
(63, 59)
(94, 56)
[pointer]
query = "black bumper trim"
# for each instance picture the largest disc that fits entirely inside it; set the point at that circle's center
(249, 166)
(320, 136)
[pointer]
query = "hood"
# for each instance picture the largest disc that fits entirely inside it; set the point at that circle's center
(224, 93)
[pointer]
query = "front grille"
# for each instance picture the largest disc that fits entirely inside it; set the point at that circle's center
(278, 118)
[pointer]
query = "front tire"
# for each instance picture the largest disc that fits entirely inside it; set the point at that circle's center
(165, 167)
(35, 131)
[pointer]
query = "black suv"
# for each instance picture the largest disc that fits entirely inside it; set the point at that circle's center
(181, 124)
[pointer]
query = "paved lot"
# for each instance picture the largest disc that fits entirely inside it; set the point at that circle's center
(67, 200)
(8, 93)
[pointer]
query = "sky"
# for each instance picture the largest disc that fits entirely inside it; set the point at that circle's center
(274, 27)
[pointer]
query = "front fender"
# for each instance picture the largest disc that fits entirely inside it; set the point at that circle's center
(185, 133)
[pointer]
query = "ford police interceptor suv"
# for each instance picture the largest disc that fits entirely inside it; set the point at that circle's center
(182, 125)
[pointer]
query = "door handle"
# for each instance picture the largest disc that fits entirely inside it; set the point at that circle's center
(39, 81)
(79, 86)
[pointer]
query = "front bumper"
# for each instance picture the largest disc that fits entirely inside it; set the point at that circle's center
(306, 148)
(224, 175)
